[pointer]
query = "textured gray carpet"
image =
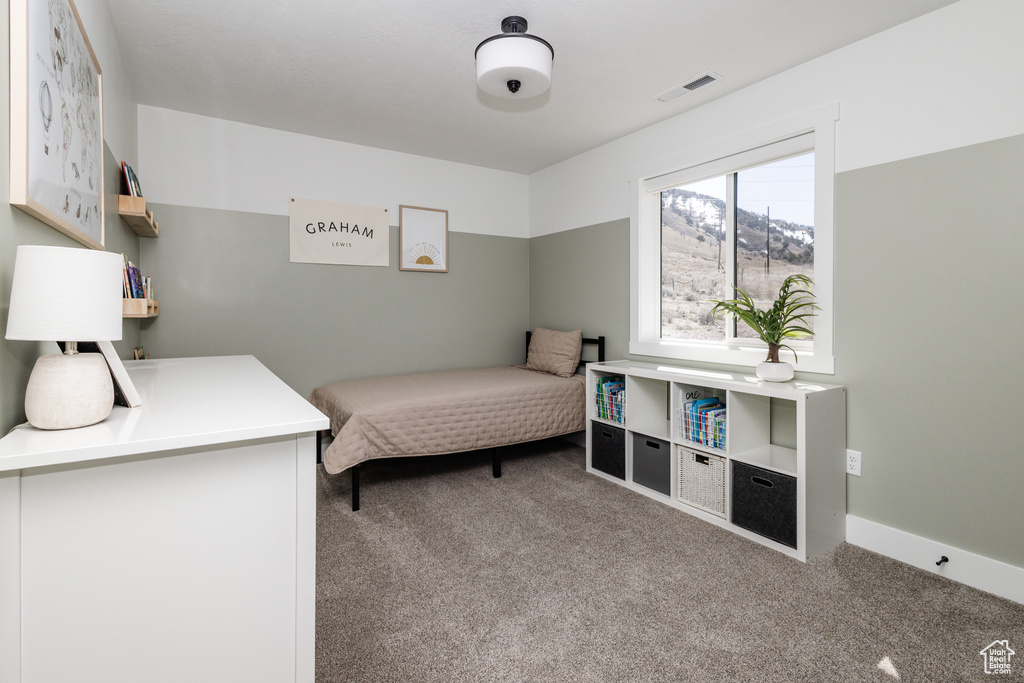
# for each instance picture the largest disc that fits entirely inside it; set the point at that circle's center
(551, 574)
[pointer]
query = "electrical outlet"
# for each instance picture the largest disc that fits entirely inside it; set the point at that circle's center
(853, 462)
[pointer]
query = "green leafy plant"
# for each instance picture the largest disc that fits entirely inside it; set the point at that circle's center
(786, 319)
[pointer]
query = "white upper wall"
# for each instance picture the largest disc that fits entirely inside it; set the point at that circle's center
(948, 79)
(191, 160)
(120, 130)
(942, 81)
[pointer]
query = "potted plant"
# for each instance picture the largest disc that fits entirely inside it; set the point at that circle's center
(786, 319)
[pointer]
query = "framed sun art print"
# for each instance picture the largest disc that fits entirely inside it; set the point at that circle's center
(423, 239)
(56, 159)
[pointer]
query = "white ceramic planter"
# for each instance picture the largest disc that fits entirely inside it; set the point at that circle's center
(775, 372)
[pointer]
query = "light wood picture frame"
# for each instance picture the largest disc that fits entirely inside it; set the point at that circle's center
(56, 171)
(422, 239)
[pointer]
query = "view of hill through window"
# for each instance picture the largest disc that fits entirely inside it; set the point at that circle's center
(774, 239)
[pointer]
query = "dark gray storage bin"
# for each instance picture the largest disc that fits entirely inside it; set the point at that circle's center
(652, 463)
(764, 502)
(608, 449)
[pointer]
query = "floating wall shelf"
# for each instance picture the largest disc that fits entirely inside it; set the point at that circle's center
(140, 308)
(133, 212)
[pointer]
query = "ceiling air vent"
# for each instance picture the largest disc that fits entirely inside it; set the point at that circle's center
(689, 86)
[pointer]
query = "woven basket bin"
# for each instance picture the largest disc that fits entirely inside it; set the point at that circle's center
(702, 481)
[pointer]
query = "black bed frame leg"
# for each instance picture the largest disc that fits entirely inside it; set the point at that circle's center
(355, 488)
(319, 446)
(496, 463)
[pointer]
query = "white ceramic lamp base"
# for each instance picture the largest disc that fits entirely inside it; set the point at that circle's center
(68, 391)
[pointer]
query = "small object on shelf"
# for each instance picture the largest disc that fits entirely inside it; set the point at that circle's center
(652, 463)
(133, 212)
(126, 181)
(609, 449)
(129, 181)
(133, 281)
(788, 318)
(703, 421)
(610, 395)
(764, 502)
(140, 308)
(137, 292)
(702, 481)
(774, 372)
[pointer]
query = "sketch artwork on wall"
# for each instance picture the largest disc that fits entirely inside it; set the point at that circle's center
(56, 169)
(423, 239)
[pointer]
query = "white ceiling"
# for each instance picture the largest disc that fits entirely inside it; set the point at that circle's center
(400, 74)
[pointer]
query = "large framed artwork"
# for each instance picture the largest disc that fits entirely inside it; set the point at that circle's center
(423, 239)
(56, 119)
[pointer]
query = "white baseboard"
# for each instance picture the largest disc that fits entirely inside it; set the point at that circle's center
(983, 573)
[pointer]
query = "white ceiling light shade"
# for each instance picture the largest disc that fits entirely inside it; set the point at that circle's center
(514, 64)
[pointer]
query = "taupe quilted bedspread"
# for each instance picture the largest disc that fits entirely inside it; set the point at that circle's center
(446, 412)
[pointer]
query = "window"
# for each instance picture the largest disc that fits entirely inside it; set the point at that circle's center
(756, 210)
(704, 256)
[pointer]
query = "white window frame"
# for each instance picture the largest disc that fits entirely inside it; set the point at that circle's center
(720, 158)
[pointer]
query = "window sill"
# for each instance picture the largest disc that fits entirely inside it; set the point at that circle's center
(744, 356)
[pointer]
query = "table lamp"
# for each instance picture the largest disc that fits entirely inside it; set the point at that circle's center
(67, 295)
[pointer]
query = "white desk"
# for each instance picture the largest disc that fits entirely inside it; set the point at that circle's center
(171, 542)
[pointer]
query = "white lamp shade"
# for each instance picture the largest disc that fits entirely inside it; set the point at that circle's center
(65, 294)
(514, 57)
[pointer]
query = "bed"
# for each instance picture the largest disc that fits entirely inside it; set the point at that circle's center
(455, 411)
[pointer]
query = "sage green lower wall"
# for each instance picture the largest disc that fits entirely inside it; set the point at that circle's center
(580, 279)
(226, 286)
(929, 330)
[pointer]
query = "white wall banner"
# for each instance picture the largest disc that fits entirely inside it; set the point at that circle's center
(346, 234)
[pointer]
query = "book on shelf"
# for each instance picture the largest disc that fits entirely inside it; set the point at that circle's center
(133, 275)
(126, 183)
(715, 427)
(691, 427)
(704, 421)
(135, 182)
(612, 400)
(129, 181)
(610, 396)
(135, 285)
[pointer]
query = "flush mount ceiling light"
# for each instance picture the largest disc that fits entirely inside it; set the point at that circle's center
(514, 64)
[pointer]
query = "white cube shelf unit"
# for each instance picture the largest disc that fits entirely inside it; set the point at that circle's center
(780, 458)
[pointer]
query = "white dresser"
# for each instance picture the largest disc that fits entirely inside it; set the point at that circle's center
(171, 542)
